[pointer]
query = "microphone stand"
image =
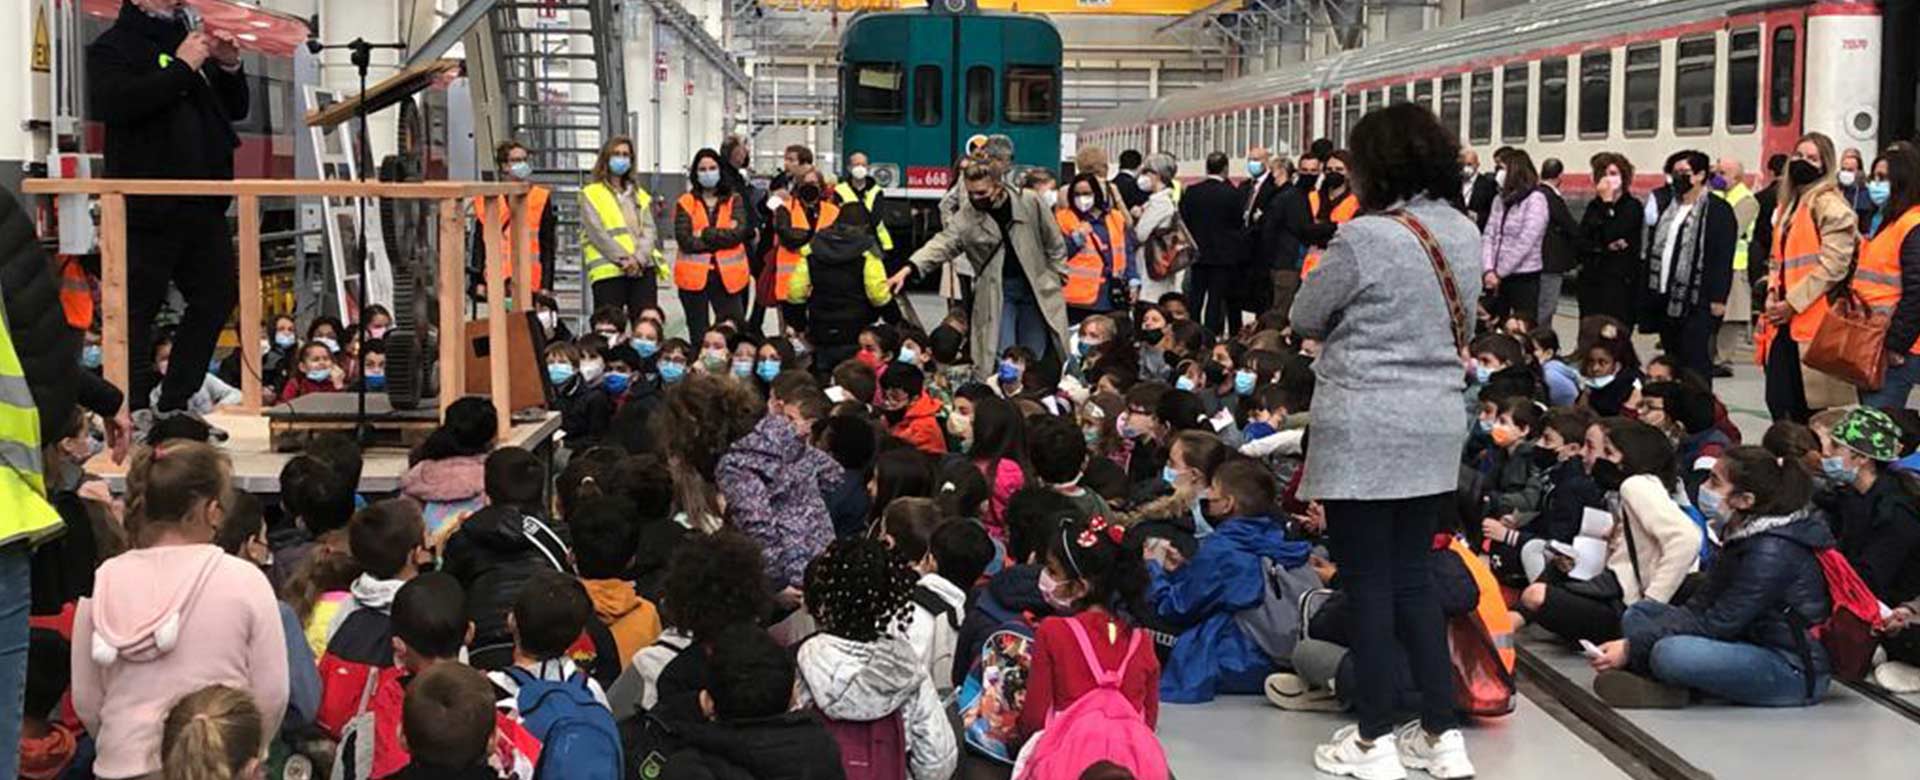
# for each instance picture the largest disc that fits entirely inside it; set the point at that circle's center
(361, 55)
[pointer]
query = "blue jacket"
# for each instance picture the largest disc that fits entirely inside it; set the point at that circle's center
(1563, 382)
(1200, 598)
(1755, 579)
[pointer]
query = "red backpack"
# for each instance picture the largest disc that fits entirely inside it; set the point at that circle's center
(870, 749)
(1101, 725)
(1848, 632)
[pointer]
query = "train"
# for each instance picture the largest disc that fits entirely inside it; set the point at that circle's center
(919, 87)
(1564, 79)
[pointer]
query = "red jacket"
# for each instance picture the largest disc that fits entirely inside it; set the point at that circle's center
(921, 428)
(1059, 674)
(298, 385)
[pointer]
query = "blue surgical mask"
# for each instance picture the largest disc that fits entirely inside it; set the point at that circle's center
(1183, 383)
(767, 370)
(708, 179)
(559, 373)
(330, 344)
(1243, 381)
(1598, 382)
(1481, 374)
(1483, 425)
(1837, 470)
(1092, 435)
(743, 367)
(646, 347)
(284, 340)
(1009, 371)
(672, 373)
(319, 375)
(1255, 168)
(1879, 191)
(520, 170)
(619, 164)
(908, 355)
(616, 383)
(1168, 474)
(1713, 506)
(376, 382)
(91, 356)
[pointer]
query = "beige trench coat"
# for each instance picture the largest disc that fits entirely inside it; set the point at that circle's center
(1043, 254)
(1839, 240)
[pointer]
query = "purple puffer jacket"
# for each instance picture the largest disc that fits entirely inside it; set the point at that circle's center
(1514, 235)
(775, 485)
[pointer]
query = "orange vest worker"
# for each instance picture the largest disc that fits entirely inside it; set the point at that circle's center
(1796, 253)
(1342, 212)
(690, 270)
(785, 260)
(1087, 271)
(503, 216)
(1877, 278)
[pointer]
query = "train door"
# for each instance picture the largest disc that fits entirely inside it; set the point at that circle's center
(1782, 84)
(931, 142)
(1840, 86)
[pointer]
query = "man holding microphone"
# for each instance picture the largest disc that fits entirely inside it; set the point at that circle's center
(168, 93)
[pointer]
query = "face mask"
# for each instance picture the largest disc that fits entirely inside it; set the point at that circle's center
(1049, 588)
(808, 192)
(591, 370)
(908, 355)
(708, 179)
(868, 358)
(1836, 469)
(743, 367)
(520, 170)
(671, 373)
(1847, 178)
(284, 340)
(559, 373)
(616, 382)
(1255, 168)
(1481, 374)
(1598, 382)
(1083, 203)
(1714, 506)
(1483, 425)
(1243, 381)
(548, 319)
(1148, 184)
(1333, 181)
(1499, 177)
(1184, 383)
(330, 344)
(1120, 426)
(981, 204)
(714, 360)
(91, 356)
(1009, 372)
(619, 164)
(1718, 182)
(858, 172)
(1607, 475)
(646, 347)
(378, 333)
(1168, 474)
(1504, 435)
(767, 370)
(960, 425)
(317, 374)
(1092, 435)
(1307, 181)
(1682, 183)
(1803, 173)
(1050, 198)
(1612, 180)
(1467, 172)
(1150, 336)
(1879, 192)
(376, 380)
(1545, 458)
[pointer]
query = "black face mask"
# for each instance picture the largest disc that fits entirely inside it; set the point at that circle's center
(1803, 173)
(1307, 181)
(981, 204)
(1333, 181)
(1545, 458)
(1607, 475)
(808, 192)
(1150, 335)
(1682, 183)
(1216, 373)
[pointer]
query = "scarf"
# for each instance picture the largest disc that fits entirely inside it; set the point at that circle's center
(1754, 526)
(1689, 266)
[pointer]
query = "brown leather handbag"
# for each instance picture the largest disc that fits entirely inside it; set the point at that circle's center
(1852, 341)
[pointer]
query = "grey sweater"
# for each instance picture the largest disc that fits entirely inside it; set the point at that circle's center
(1388, 421)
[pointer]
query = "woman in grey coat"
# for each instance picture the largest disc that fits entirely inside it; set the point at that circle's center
(1028, 310)
(1388, 429)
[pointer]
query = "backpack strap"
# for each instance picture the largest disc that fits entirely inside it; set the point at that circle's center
(547, 542)
(1101, 676)
(930, 601)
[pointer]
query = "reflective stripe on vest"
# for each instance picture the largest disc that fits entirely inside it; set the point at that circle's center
(503, 216)
(1877, 278)
(1491, 609)
(1734, 197)
(24, 511)
(784, 259)
(606, 205)
(690, 270)
(846, 194)
(1343, 212)
(1796, 252)
(1087, 271)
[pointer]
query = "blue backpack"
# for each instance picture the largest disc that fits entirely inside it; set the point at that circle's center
(578, 740)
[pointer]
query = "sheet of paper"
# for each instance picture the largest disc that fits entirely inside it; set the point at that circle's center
(1596, 523)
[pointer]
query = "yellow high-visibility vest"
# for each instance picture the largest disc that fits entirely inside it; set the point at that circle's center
(846, 194)
(25, 514)
(604, 203)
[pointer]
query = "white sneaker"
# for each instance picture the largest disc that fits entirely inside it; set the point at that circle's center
(1444, 757)
(1897, 677)
(1345, 756)
(1291, 692)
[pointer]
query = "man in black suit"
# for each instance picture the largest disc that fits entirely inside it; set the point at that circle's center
(1559, 251)
(1477, 190)
(169, 94)
(1264, 180)
(1212, 211)
(1129, 189)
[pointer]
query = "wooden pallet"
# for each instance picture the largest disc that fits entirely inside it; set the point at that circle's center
(291, 426)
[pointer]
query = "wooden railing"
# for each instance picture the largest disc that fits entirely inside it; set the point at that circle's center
(248, 192)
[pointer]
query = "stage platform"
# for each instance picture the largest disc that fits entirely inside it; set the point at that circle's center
(256, 467)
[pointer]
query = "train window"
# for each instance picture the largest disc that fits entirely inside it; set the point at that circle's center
(1693, 73)
(1640, 114)
(1743, 80)
(1596, 93)
(1373, 100)
(1353, 118)
(979, 95)
(1780, 89)
(1480, 119)
(874, 92)
(1552, 121)
(1423, 94)
(1513, 103)
(927, 95)
(1450, 102)
(1033, 95)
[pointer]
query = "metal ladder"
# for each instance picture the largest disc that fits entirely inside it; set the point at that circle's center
(561, 73)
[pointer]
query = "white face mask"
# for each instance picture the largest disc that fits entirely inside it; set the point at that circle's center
(1500, 177)
(858, 172)
(1847, 178)
(1083, 202)
(591, 370)
(1050, 197)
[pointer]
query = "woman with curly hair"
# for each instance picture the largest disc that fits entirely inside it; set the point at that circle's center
(713, 581)
(695, 425)
(859, 668)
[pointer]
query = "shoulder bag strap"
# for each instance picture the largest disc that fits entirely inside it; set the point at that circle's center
(1448, 287)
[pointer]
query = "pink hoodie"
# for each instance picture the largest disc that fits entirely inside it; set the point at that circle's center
(164, 622)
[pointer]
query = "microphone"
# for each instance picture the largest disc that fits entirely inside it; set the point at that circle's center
(188, 16)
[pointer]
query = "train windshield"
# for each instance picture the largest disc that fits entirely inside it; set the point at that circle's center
(1033, 95)
(876, 92)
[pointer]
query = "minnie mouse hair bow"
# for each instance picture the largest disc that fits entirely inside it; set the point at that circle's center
(1098, 526)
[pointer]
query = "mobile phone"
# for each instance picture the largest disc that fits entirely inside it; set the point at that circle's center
(1590, 649)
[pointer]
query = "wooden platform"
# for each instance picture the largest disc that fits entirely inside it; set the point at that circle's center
(256, 467)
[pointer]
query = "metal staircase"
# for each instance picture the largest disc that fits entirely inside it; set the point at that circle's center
(560, 72)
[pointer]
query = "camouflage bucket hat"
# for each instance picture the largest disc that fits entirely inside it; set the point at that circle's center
(1869, 432)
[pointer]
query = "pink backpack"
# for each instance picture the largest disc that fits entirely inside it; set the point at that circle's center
(1101, 725)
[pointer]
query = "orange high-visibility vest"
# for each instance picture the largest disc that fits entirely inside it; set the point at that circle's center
(1342, 212)
(690, 269)
(503, 216)
(1877, 278)
(1087, 271)
(76, 293)
(784, 259)
(1483, 684)
(1796, 253)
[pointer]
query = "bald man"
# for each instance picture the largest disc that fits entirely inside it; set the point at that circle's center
(1477, 189)
(1256, 194)
(1730, 183)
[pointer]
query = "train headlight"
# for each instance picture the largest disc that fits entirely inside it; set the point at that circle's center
(885, 174)
(1863, 123)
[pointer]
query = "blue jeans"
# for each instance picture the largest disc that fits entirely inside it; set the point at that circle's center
(16, 587)
(1022, 323)
(1740, 672)
(1899, 384)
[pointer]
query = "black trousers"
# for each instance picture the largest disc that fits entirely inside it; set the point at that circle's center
(1520, 294)
(1212, 297)
(1382, 549)
(1786, 388)
(629, 293)
(1689, 340)
(193, 250)
(1574, 616)
(715, 297)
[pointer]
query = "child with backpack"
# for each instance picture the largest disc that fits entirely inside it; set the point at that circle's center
(712, 581)
(750, 729)
(1746, 634)
(448, 471)
(498, 548)
(448, 721)
(1094, 686)
(544, 691)
(947, 564)
(604, 538)
(388, 540)
(862, 677)
(1227, 574)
